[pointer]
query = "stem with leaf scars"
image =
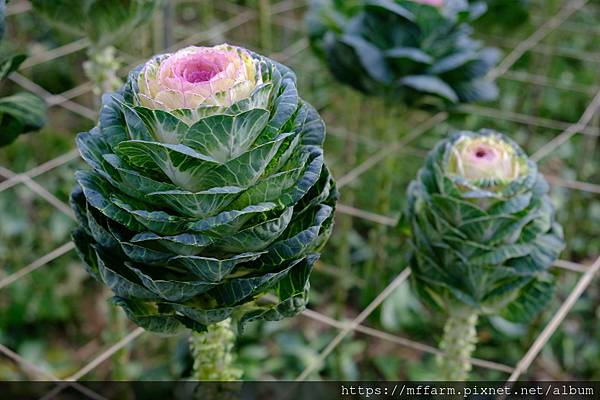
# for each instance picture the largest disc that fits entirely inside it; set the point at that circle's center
(212, 352)
(458, 344)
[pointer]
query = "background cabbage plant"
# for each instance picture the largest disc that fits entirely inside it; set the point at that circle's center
(483, 236)
(405, 50)
(103, 23)
(193, 215)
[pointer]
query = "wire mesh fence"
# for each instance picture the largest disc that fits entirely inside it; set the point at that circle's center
(242, 15)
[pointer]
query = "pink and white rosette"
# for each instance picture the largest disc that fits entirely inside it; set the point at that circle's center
(198, 76)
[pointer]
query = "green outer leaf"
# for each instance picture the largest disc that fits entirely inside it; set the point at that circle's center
(83, 246)
(478, 90)
(10, 64)
(226, 137)
(199, 204)
(102, 236)
(213, 269)
(79, 207)
(246, 169)
(145, 315)
(292, 291)
(390, 6)
(92, 148)
(531, 300)
(172, 290)
(235, 291)
(184, 166)
(300, 243)
(411, 53)
(229, 221)
(371, 58)
(163, 126)
(156, 221)
(112, 122)
(203, 316)
(430, 84)
(96, 192)
(133, 182)
(145, 255)
(20, 113)
(123, 286)
(256, 237)
(187, 244)
(452, 62)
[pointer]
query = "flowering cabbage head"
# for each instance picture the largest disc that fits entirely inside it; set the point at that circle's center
(483, 228)
(195, 76)
(485, 159)
(207, 191)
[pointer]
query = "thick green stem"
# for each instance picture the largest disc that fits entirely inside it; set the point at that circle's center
(212, 353)
(458, 343)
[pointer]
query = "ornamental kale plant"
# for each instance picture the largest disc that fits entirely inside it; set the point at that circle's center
(21, 112)
(483, 235)
(208, 191)
(412, 51)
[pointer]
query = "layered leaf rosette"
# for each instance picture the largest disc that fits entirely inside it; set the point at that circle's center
(207, 191)
(411, 51)
(483, 234)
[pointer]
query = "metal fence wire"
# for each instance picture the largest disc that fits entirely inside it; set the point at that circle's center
(242, 15)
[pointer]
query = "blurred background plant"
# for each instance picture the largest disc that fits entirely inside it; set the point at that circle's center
(101, 24)
(21, 112)
(56, 317)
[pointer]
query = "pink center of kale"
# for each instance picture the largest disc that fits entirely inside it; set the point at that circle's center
(199, 68)
(196, 73)
(484, 153)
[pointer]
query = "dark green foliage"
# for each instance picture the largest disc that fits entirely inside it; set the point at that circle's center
(189, 234)
(103, 22)
(506, 12)
(2, 17)
(21, 112)
(485, 248)
(404, 50)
